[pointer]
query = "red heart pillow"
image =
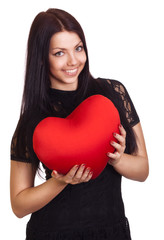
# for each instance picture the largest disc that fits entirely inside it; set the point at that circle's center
(82, 137)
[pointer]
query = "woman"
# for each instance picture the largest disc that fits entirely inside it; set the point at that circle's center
(57, 80)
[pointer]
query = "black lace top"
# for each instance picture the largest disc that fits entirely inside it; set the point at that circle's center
(92, 210)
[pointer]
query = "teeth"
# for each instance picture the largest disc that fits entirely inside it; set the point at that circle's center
(71, 71)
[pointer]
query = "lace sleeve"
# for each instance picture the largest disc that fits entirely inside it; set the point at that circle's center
(124, 101)
(19, 152)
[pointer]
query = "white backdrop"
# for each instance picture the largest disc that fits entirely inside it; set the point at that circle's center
(125, 42)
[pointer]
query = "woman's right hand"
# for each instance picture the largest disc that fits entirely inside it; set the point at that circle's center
(76, 175)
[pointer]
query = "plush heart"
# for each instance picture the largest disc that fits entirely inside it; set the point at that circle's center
(82, 137)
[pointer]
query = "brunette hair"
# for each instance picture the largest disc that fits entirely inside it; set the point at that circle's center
(36, 102)
(37, 80)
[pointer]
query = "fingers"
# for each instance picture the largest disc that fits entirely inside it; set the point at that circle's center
(114, 155)
(121, 137)
(55, 174)
(76, 175)
(68, 176)
(122, 131)
(72, 172)
(82, 175)
(79, 172)
(119, 146)
(87, 175)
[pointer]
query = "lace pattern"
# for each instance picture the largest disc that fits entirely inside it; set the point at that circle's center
(124, 101)
(24, 156)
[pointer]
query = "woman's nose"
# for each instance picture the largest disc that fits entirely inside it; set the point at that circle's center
(71, 60)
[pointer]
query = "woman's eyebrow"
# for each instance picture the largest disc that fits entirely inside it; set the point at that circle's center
(78, 44)
(65, 48)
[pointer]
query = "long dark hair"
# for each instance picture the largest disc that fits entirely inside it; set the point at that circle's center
(36, 97)
(37, 81)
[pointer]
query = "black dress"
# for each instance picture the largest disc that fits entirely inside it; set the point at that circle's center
(86, 211)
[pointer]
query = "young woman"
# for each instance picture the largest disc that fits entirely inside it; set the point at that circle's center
(57, 80)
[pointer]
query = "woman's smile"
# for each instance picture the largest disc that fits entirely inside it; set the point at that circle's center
(71, 72)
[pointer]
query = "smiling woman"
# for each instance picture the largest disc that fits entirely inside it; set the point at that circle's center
(72, 205)
(67, 59)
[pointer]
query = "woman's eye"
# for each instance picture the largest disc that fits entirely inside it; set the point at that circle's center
(59, 54)
(79, 48)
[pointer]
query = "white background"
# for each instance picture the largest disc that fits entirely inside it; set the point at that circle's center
(125, 42)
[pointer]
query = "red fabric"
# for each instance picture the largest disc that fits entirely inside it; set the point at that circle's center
(82, 137)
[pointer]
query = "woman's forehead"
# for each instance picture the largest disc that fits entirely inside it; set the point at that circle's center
(64, 40)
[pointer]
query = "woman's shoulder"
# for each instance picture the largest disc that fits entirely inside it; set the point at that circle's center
(114, 84)
(110, 87)
(117, 92)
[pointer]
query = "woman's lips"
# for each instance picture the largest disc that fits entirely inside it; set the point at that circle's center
(71, 72)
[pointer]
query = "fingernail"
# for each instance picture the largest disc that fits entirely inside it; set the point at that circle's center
(120, 125)
(54, 172)
(108, 154)
(114, 134)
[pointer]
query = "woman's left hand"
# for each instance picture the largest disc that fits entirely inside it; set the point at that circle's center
(120, 146)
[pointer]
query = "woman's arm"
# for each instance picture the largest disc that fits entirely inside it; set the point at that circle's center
(136, 166)
(26, 199)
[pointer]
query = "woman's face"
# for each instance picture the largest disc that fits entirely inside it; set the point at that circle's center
(67, 59)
